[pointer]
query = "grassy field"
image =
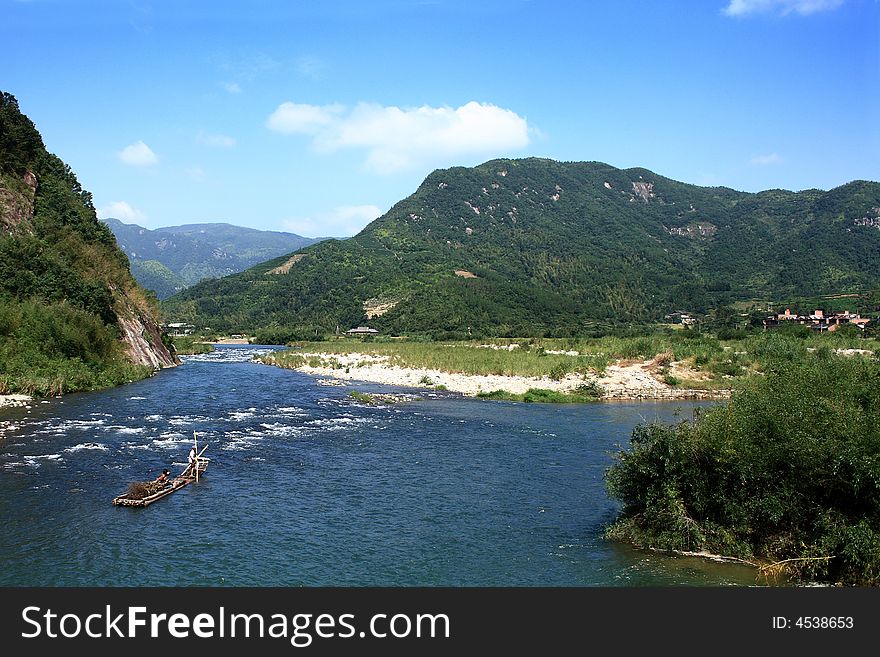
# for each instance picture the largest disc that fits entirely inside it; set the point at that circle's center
(705, 361)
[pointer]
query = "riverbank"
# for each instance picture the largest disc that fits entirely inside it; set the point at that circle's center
(621, 381)
(11, 401)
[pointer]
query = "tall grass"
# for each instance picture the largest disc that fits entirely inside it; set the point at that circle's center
(722, 360)
(458, 357)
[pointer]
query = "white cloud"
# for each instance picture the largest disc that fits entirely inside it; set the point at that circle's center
(403, 138)
(342, 221)
(765, 160)
(780, 7)
(231, 87)
(122, 211)
(293, 118)
(215, 141)
(138, 154)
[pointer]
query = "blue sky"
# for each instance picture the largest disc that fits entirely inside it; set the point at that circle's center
(316, 117)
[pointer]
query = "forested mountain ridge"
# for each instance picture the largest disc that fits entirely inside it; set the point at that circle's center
(536, 246)
(71, 315)
(167, 260)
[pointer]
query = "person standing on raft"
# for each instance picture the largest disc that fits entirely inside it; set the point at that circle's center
(193, 457)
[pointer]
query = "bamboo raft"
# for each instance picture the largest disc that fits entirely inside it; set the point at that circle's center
(185, 478)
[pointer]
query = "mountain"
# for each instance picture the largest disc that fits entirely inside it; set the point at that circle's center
(535, 246)
(167, 260)
(71, 315)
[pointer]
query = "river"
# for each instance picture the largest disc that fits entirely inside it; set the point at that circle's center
(308, 486)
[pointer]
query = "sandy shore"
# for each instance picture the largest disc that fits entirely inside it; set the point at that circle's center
(14, 400)
(622, 381)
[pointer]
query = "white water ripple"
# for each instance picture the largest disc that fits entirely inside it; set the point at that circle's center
(82, 446)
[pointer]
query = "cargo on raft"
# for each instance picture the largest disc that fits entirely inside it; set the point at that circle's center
(142, 494)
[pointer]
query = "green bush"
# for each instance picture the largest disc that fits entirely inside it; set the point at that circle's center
(188, 344)
(49, 349)
(789, 469)
(558, 371)
(588, 392)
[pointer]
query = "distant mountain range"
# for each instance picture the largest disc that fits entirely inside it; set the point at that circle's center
(167, 260)
(535, 246)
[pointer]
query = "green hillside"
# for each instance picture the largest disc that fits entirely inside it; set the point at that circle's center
(167, 260)
(71, 316)
(534, 246)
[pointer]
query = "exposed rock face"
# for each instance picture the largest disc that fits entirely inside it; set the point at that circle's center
(284, 268)
(696, 230)
(17, 204)
(643, 190)
(377, 307)
(143, 340)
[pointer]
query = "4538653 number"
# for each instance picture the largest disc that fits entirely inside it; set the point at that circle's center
(824, 622)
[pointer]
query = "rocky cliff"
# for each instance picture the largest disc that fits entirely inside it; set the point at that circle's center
(17, 203)
(143, 339)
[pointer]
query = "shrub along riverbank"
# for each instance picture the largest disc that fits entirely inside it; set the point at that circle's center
(786, 475)
(54, 348)
(187, 345)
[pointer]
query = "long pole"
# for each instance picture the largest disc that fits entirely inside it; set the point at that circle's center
(195, 463)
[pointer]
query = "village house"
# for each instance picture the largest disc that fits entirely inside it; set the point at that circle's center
(818, 320)
(178, 328)
(681, 317)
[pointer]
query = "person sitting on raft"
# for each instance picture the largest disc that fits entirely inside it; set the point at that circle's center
(162, 479)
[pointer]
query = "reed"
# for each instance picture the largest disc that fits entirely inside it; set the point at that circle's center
(724, 361)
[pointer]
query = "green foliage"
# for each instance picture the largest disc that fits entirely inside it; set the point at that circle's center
(30, 268)
(190, 344)
(280, 335)
(155, 276)
(788, 469)
(555, 252)
(589, 389)
(63, 281)
(49, 349)
(362, 397)
(558, 371)
(543, 396)
(20, 143)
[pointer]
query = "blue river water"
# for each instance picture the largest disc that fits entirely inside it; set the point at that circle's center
(309, 487)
